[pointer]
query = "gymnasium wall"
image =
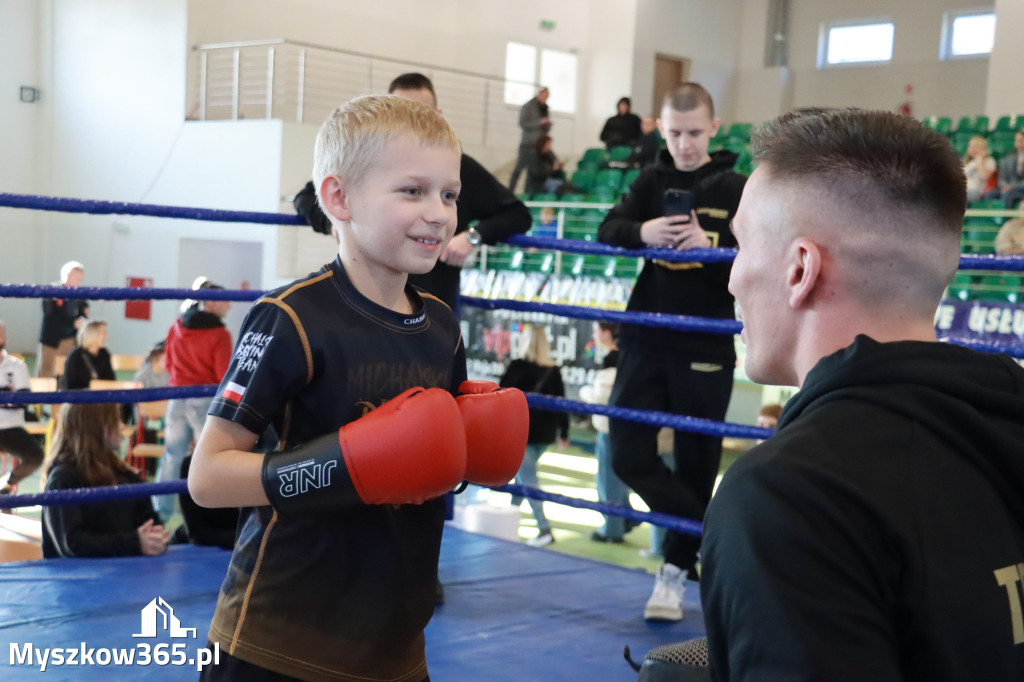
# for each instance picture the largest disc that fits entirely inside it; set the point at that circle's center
(114, 94)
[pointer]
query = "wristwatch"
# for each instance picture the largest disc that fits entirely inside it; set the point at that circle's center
(473, 237)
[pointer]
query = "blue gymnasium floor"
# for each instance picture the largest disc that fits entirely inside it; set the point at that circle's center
(512, 613)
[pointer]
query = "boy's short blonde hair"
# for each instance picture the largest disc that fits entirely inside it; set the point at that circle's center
(352, 138)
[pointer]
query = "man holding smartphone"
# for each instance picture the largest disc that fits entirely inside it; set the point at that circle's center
(686, 200)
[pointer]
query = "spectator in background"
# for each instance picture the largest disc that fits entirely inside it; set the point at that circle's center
(610, 487)
(537, 372)
(90, 359)
(1011, 174)
(14, 439)
(768, 417)
(645, 151)
(84, 455)
(484, 200)
(153, 373)
(62, 318)
(685, 373)
(979, 167)
(1010, 239)
(545, 173)
(534, 121)
(215, 526)
(197, 352)
(623, 128)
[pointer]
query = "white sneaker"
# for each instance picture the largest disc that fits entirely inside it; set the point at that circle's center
(542, 540)
(666, 602)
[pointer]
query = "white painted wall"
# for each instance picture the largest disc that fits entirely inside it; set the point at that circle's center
(706, 33)
(19, 126)
(113, 79)
(950, 88)
(1005, 91)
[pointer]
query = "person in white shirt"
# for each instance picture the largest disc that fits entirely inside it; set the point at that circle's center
(14, 439)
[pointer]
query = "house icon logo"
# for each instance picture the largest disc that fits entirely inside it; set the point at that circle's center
(158, 615)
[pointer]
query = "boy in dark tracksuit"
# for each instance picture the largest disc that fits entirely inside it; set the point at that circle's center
(685, 373)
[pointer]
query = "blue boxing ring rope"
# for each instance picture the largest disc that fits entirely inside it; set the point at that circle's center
(660, 419)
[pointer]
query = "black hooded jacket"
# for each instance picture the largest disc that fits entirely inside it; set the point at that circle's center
(680, 288)
(879, 534)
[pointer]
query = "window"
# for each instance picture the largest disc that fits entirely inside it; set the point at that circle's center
(855, 43)
(526, 66)
(968, 34)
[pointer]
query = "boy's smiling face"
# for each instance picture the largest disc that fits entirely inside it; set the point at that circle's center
(398, 218)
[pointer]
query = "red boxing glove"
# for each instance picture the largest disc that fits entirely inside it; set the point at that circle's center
(497, 422)
(409, 450)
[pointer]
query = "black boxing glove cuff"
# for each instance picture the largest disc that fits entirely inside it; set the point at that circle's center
(311, 478)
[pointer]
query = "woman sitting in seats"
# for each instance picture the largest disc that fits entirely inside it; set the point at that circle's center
(90, 359)
(84, 455)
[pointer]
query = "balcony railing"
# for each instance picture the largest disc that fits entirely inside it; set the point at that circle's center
(300, 82)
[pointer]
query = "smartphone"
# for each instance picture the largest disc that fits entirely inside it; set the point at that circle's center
(678, 202)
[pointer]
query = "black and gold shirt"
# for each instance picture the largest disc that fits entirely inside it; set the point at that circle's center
(344, 594)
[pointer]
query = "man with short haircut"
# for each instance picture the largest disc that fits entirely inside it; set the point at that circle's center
(14, 439)
(685, 373)
(62, 318)
(879, 534)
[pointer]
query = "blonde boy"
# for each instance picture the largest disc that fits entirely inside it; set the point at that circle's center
(353, 370)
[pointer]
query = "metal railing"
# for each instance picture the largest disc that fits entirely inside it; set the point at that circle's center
(302, 82)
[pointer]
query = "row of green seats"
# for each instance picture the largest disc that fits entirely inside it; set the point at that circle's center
(974, 125)
(970, 287)
(999, 143)
(588, 180)
(512, 259)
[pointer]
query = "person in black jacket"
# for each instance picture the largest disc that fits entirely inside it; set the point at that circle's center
(536, 372)
(623, 128)
(90, 359)
(879, 534)
(687, 373)
(84, 455)
(483, 200)
(205, 526)
(62, 319)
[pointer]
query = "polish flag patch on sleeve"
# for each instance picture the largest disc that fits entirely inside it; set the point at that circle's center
(233, 392)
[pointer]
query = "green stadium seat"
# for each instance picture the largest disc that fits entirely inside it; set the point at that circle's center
(962, 286)
(1010, 123)
(960, 141)
(609, 178)
(940, 124)
(620, 153)
(628, 177)
(740, 131)
(595, 156)
(543, 196)
(977, 125)
(1001, 142)
(605, 195)
(999, 288)
(584, 178)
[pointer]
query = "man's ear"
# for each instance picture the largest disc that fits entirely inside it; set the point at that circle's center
(334, 198)
(802, 271)
(715, 125)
